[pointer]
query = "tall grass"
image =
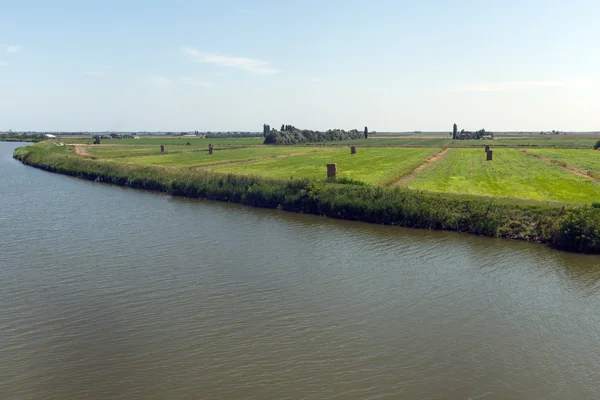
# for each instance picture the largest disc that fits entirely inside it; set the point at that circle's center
(574, 228)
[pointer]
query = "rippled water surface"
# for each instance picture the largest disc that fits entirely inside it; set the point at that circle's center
(113, 293)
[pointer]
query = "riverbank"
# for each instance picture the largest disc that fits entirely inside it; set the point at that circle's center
(571, 228)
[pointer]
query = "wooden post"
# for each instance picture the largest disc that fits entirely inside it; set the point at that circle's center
(162, 148)
(489, 155)
(487, 148)
(353, 150)
(210, 148)
(332, 170)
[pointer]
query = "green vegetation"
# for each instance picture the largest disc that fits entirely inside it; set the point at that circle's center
(588, 161)
(168, 140)
(372, 165)
(200, 158)
(569, 228)
(511, 174)
(291, 135)
(562, 142)
(22, 137)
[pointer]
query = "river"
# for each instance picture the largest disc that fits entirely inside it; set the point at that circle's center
(114, 293)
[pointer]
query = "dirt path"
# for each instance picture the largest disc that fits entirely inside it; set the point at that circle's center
(80, 151)
(432, 159)
(576, 171)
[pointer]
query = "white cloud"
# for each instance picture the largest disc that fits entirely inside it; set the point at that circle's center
(3, 63)
(13, 48)
(94, 73)
(195, 82)
(515, 86)
(159, 80)
(247, 64)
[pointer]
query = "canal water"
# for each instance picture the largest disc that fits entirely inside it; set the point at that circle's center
(114, 293)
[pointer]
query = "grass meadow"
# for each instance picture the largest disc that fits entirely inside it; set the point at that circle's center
(511, 173)
(369, 165)
(385, 160)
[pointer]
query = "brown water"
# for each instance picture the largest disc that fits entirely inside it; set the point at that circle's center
(113, 293)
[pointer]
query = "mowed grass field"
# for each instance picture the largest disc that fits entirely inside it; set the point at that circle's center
(166, 140)
(588, 160)
(202, 158)
(511, 173)
(369, 165)
(424, 140)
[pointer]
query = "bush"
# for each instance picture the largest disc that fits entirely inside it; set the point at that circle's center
(579, 230)
(597, 145)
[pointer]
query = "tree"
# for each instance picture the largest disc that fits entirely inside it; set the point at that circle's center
(266, 130)
(282, 127)
(96, 139)
(454, 130)
(366, 133)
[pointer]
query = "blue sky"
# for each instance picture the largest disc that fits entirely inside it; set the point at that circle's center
(234, 65)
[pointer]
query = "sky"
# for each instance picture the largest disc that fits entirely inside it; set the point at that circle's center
(391, 65)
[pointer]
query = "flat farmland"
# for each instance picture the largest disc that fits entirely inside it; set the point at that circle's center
(528, 141)
(201, 158)
(369, 165)
(511, 174)
(587, 160)
(166, 140)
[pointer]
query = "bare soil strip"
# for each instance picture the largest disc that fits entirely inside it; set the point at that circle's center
(432, 159)
(80, 151)
(577, 171)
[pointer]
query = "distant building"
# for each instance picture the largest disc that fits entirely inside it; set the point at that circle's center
(49, 136)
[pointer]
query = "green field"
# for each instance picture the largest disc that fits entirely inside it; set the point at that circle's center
(530, 141)
(511, 173)
(369, 165)
(588, 160)
(200, 158)
(166, 140)
(422, 140)
(384, 160)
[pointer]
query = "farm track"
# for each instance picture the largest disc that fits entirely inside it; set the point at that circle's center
(432, 159)
(576, 171)
(80, 151)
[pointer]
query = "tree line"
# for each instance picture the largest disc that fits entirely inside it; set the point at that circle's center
(289, 134)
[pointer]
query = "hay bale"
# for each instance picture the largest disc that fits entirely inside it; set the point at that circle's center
(331, 170)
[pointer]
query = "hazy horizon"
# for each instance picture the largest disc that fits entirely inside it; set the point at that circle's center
(394, 66)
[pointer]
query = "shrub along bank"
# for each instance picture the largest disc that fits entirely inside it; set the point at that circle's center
(567, 228)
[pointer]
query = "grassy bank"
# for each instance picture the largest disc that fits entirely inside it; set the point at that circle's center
(569, 228)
